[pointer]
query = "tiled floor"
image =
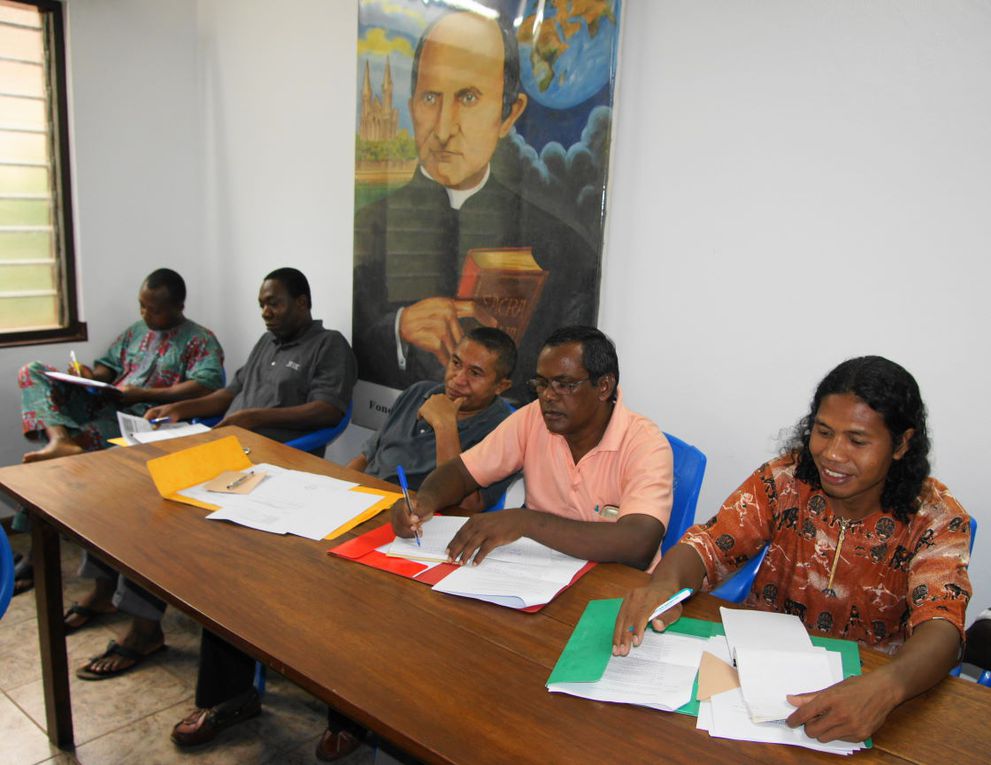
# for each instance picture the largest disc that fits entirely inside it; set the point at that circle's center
(128, 719)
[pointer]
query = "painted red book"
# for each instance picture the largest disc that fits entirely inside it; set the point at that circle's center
(507, 282)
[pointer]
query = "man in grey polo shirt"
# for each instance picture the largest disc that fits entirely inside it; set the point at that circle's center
(298, 378)
(431, 422)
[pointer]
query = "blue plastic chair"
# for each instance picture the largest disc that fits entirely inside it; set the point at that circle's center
(324, 437)
(735, 588)
(6, 572)
(306, 443)
(689, 470)
(985, 679)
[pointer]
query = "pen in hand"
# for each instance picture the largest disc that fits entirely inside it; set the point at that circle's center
(409, 505)
(159, 420)
(75, 364)
(671, 602)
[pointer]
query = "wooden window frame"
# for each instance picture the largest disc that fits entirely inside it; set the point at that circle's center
(73, 330)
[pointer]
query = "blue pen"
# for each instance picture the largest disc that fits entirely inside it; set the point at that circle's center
(409, 503)
(159, 420)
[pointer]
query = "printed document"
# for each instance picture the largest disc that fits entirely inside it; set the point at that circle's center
(137, 430)
(659, 674)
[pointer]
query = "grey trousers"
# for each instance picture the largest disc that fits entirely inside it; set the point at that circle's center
(129, 598)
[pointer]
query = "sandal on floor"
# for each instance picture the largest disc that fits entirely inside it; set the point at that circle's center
(86, 672)
(202, 725)
(88, 614)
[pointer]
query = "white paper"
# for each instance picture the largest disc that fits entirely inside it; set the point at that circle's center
(437, 535)
(755, 629)
(137, 430)
(768, 675)
(522, 574)
(659, 674)
(76, 380)
(289, 502)
(731, 719)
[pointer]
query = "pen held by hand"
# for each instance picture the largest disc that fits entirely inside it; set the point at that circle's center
(409, 504)
(680, 595)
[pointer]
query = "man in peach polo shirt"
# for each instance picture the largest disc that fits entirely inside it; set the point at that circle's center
(598, 477)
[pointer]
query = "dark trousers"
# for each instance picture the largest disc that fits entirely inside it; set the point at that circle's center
(226, 672)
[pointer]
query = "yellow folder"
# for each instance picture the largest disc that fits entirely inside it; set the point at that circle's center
(189, 467)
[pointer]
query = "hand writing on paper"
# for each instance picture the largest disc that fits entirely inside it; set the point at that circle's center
(82, 371)
(406, 522)
(631, 622)
(433, 325)
(484, 533)
(851, 710)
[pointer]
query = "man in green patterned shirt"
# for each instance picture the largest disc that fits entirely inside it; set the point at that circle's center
(165, 357)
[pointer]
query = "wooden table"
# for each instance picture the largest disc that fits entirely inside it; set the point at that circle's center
(447, 679)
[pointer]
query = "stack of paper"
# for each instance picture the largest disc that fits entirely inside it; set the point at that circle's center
(659, 674)
(662, 677)
(521, 574)
(137, 430)
(288, 502)
(756, 709)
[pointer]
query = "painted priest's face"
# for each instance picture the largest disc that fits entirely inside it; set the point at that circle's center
(457, 102)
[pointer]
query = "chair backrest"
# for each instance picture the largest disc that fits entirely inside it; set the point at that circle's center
(323, 437)
(735, 588)
(689, 469)
(6, 572)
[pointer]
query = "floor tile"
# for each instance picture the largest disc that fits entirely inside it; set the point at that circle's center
(101, 707)
(22, 742)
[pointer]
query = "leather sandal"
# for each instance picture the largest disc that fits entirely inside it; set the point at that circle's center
(335, 745)
(202, 725)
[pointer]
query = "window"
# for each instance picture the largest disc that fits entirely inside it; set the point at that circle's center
(37, 269)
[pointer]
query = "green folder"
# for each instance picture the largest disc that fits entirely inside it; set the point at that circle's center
(589, 648)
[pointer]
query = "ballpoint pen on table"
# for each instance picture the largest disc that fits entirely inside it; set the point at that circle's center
(409, 505)
(240, 479)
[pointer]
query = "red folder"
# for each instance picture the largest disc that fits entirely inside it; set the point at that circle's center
(364, 550)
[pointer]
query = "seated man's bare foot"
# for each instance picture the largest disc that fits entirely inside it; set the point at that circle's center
(61, 447)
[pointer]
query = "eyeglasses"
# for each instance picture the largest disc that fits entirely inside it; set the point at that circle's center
(560, 387)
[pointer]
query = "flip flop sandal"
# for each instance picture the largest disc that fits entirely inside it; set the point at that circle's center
(86, 672)
(88, 614)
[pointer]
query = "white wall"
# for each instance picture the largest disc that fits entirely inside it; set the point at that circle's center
(794, 183)
(135, 128)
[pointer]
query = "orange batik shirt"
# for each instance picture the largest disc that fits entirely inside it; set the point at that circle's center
(889, 576)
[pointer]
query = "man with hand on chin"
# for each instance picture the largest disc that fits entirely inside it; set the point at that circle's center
(431, 423)
(598, 477)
